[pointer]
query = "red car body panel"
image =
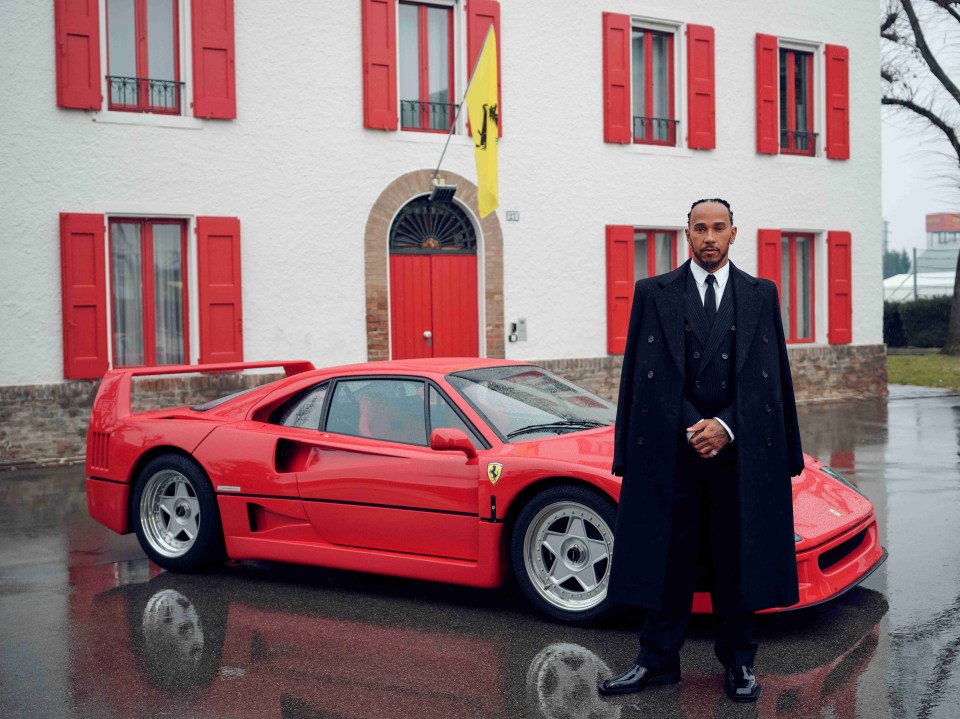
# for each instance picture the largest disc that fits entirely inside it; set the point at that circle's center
(326, 499)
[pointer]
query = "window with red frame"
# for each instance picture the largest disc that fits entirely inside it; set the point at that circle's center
(797, 287)
(796, 103)
(426, 67)
(148, 273)
(655, 252)
(143, 56)
(654, 121)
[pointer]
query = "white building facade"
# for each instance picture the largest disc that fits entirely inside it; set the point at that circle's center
(189, 181)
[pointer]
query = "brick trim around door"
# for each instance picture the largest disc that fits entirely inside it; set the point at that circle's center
(376, 255)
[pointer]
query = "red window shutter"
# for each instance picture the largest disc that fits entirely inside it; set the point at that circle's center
(78, 54)
(481, 14)
(617, 112)
(701, 93)
(619, 286)
(769, 256)
(84, 295)
(218, 273)
(840, 300)
(768, 74)
(214, 76)
(838, 102)
(380, 64)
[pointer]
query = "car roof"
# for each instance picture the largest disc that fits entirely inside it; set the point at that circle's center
(438, 365)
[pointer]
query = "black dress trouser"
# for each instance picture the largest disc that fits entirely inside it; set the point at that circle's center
(705, 511)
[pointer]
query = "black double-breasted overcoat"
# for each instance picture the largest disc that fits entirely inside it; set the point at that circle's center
(649, 423)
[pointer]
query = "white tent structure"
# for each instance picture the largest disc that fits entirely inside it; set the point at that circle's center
(900, 288)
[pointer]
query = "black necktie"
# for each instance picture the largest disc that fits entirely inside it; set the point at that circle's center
(710, 300)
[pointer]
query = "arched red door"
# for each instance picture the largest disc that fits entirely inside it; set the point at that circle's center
(433, 282)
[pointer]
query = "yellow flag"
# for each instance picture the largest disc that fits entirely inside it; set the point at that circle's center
(484, 116)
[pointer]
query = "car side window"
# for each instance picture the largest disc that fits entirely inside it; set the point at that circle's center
(388, 409)
(442, 415)
(305, 410)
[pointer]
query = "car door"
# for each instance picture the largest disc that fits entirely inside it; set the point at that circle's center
(370, 479)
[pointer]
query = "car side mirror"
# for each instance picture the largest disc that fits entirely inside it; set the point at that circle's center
(448, 439)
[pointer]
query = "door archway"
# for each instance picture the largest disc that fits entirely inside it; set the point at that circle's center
(433, 282)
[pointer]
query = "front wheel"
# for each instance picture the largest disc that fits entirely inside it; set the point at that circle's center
(561, 548)
(175, 514)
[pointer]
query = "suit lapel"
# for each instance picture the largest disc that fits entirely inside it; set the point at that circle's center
(721, 325)
(669, 302)
(749, 302)
(693, 307)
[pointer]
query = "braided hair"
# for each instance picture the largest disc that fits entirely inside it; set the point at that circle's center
(711, 199)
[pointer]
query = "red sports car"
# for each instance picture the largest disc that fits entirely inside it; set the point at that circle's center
(453, 470)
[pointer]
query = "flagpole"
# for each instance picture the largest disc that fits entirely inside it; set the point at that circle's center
(462, 103)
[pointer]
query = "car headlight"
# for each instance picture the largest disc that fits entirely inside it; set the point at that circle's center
(797, 538)
(830, 472)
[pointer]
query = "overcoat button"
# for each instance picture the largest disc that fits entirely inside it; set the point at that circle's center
(764, 373)
(769, 442)
(688, 328)
(696, 355)
(767, 407)
(645, 408)
(650, 374)
(723, 385)
(697, 383)
(766, 339)
(733, 328)
(640, 441)
(724, 355)
(650, 338)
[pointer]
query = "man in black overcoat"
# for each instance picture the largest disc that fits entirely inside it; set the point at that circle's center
(706, 441)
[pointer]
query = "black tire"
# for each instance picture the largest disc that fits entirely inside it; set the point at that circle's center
(583, 552)
(175, 515)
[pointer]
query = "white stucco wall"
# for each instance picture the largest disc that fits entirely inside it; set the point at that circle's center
(300, 171)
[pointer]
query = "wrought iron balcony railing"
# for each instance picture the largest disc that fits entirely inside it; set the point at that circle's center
(655, 130)
(142, 94)
(432, 116)
(795, 142)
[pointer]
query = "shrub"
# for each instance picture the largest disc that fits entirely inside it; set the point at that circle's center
(893, 333)
(918, 323)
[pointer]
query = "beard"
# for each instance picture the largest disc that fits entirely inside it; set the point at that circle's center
(712, 262)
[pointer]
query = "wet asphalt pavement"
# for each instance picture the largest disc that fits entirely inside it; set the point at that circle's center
(89, 628)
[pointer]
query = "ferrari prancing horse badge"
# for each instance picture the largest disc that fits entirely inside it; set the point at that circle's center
(494, 472)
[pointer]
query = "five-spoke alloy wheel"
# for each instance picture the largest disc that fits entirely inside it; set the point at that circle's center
(175, 514)
(562, 545)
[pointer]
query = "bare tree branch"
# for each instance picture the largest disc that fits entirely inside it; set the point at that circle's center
(928, 57)
(944, 127)
(950, 6)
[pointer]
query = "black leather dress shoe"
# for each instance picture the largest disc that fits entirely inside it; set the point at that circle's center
(742, 684)
(638, 677)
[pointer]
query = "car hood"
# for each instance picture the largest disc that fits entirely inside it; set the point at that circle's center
(588, 448)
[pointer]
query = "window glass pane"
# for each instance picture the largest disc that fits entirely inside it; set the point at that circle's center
(639, 81)
(306, 409)
(786, 294)
(385, 409)
(409, 65)
(800, 89)
(438, 26)
(127, 283)
(641, 260)
(168, 292)
(443, 415)
(664, 252)
(121, 44)
(661, 86)
(804, 277)
(783, 96)
(161, 49)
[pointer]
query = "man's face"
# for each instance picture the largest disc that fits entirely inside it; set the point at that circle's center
(710, 235)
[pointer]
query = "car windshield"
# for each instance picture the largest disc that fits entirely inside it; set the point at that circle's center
(522, 402)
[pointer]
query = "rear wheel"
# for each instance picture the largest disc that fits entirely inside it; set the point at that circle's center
(175, 514)
(561, 548)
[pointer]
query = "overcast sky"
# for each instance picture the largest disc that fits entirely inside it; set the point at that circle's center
(920, 173)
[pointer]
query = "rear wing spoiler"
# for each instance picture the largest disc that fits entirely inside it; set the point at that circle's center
(114, 395)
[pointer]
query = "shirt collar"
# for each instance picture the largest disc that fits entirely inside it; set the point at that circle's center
(700, 274)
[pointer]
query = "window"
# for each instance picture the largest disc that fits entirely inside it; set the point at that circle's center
(305, 410)
(797, 286)
(426, 67)
(655, 252)
(654, 120)
(796, 103)
(387, 409)
(143, 56)
(443, 415)
(148, 292)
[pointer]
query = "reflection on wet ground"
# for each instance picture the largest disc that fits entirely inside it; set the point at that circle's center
(92, 629)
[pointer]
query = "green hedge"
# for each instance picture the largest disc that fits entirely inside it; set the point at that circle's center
(918, 323)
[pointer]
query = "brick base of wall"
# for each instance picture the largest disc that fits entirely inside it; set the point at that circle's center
(47, 424)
